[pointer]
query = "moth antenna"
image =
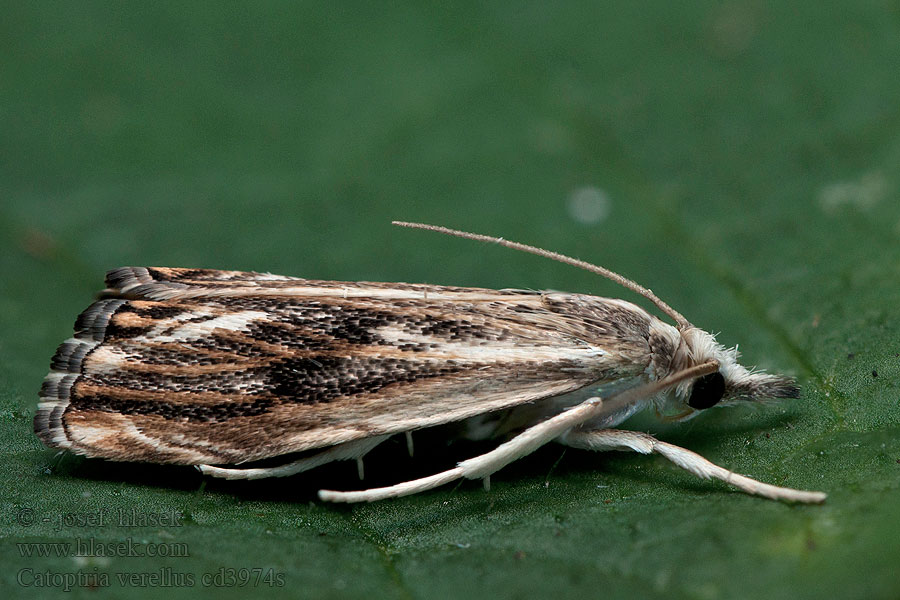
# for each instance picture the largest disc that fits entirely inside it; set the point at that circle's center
(568, 260)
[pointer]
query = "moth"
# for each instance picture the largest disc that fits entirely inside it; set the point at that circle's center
(219, 369)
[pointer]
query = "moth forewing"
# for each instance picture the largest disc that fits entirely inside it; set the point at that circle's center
(216, 379)
(220, 368)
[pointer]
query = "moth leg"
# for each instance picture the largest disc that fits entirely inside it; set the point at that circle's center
(525, 443)
(618, 439)
(482, 466)
(347, 451)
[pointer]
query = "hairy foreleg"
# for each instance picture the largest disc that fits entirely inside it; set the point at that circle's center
(618, 439)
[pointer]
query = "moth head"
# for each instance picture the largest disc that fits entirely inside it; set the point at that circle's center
(730, 385)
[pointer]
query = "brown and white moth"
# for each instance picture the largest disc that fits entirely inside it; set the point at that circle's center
(221, 368)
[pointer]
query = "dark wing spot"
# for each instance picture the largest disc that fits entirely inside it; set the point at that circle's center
(311, 380)
(215, 413)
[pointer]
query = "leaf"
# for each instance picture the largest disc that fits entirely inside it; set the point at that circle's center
(740, 159)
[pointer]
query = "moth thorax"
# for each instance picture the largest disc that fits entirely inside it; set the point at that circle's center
(668, 351)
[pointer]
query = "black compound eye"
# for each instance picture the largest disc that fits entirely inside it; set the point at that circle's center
(707, 392)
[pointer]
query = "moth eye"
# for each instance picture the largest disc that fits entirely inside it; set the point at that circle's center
(707, 392)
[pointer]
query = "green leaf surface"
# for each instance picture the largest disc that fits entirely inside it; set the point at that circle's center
(740, 158)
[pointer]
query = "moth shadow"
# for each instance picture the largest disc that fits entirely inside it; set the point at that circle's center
(435, 451)
(712, 430)
(387, 464)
